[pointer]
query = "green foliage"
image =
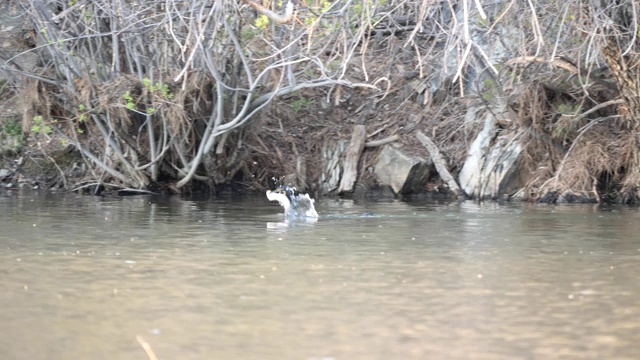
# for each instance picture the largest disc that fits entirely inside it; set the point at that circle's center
(166, 93)
(321, 8)
(569, 108)
(562, 129)
(156, 93)
(363, 9)
(12, 127)
(45, 34)
(483, 22)
(358, 8)
(367, 7)
(83, 115)
(326, 5)
(489, 90)
(40, 126)
(301, 103)
(131, 105)
(247, 34)
(262, 22)
(158, 88)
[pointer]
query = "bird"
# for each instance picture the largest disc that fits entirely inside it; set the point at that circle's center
(295, 205)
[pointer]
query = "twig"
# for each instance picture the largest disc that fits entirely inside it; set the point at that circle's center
(596, 108)
(439, 162)
(147, 348)
(390, 139)
(582, 131)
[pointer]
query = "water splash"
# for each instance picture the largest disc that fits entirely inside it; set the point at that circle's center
(295, 205)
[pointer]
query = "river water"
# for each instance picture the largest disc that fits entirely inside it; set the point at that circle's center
(97, 278)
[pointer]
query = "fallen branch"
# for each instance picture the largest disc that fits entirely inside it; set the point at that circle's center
(390, 139)
(312, 84)
(439, 162)
(563, 64)
(353, 157)
(280, 19)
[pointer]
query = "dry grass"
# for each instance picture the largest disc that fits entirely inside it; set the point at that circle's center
(550, 89)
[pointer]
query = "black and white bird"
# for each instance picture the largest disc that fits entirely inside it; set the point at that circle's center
(295, 205)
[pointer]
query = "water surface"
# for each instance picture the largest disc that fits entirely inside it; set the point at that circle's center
(228, 278)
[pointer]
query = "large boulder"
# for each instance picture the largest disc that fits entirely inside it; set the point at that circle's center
(403, 172)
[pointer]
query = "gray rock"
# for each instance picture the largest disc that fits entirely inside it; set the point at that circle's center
(4, 173)
(12, 40)
(331, 165)
(404, 173)
(492, 167)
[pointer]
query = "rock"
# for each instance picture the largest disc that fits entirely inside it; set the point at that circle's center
(492, 167)
(402, 172)
(331, 165)
(4, 173)
(13, 27)
(353, 157)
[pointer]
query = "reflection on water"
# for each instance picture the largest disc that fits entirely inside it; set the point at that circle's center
(232, 278)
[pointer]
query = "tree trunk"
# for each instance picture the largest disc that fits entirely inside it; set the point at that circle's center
(626, 72)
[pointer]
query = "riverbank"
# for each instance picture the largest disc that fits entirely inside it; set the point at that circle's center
(339, 98)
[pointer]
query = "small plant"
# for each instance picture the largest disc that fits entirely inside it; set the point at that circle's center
(262, 22)
(164, 90)
(562, 128)
(159, 87)
(247, 34)
(12, 128)
(301, 103)
(40, 126)
(490, 90)
(82, 117)
(131, 105)
(569, 108)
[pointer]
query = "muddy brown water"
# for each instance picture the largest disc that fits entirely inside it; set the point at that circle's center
(83, 277)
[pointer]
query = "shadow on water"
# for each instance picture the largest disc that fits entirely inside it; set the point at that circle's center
(232, 277)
